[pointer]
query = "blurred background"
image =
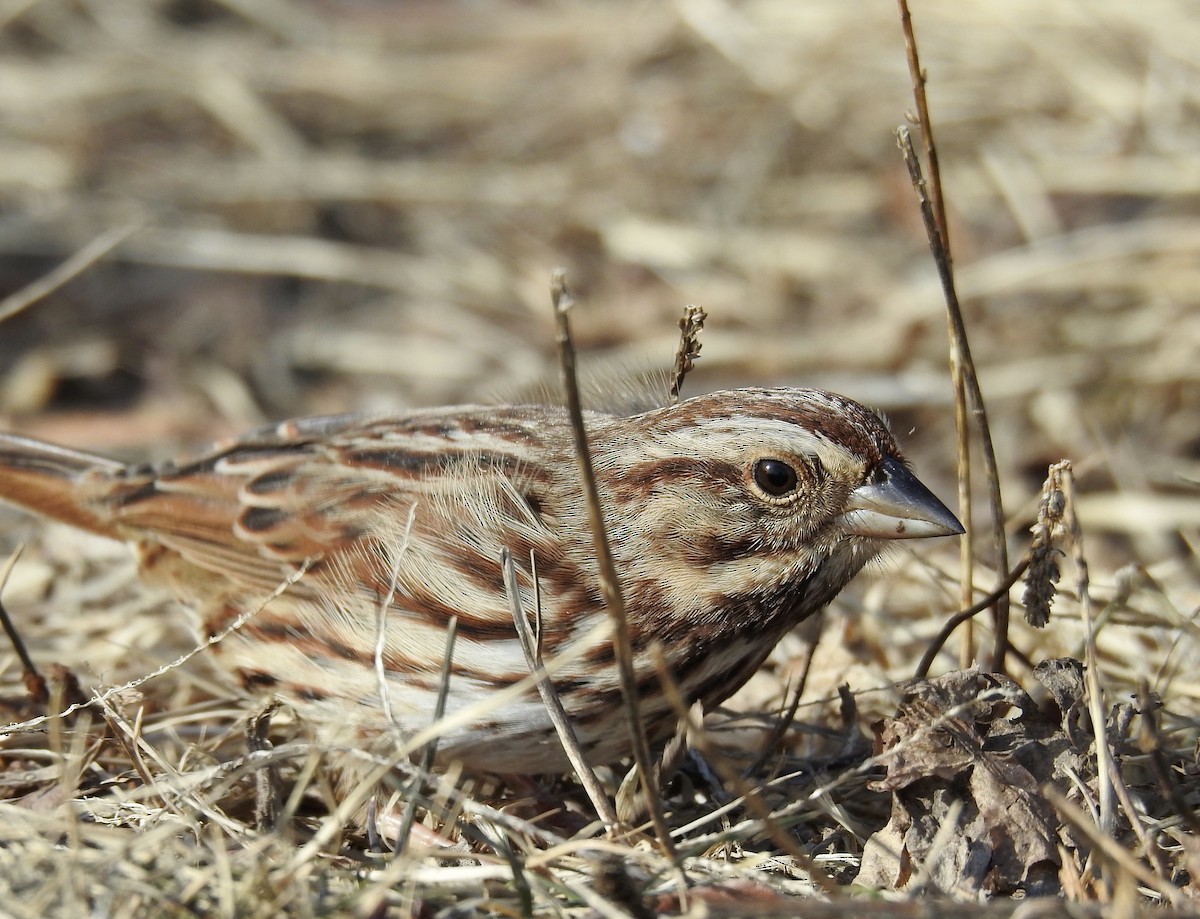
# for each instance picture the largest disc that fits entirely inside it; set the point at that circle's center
(265, 208)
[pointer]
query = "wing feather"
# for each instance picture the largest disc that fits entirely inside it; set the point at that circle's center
(446, 492)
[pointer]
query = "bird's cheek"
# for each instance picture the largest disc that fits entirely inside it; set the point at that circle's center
(689, 510)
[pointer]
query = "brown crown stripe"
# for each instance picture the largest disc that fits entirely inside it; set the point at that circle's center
(834, 417)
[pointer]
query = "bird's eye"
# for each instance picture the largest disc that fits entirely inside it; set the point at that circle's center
(775, 477)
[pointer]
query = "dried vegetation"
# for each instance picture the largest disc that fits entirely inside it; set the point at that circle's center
(238, 210)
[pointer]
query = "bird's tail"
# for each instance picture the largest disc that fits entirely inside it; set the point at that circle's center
(54, 481)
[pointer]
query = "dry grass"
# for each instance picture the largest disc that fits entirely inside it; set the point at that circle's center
(305, 207)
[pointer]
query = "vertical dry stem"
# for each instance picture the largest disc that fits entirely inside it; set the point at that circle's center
(610, 585)
(962, 366)
(531, 645)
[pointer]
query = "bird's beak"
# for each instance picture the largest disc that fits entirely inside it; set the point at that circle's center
(897, 506)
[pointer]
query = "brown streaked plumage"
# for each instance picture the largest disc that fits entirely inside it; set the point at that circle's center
(732, 516)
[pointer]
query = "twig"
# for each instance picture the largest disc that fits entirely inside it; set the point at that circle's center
(65, 272)
(1110, 848)
(961, 361)
(964, 616)
(430, 752)
(961, 417)
(35, 683)
(609, 583)
(1150, 742)
(385, 695)
(102, 698)
(531, 645)
(962, 366)
(1065, 480)
(730, 778)
(266, 779)
(937, 200)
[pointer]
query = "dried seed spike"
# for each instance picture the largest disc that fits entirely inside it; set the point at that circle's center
(1040, 585)
(690, 327)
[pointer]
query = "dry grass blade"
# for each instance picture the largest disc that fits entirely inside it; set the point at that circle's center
(74, 266)
(311, 245)
(917, 74)
(749, 796)
(115, 691)
(558, 716)
(404, 830)
(1111, 850)
(967, 392)
(961, 358)
(1064, 481)
(35, 683)
(958, 368)
(609, 581)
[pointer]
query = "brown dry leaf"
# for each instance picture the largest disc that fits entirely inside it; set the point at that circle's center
(974, 748)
